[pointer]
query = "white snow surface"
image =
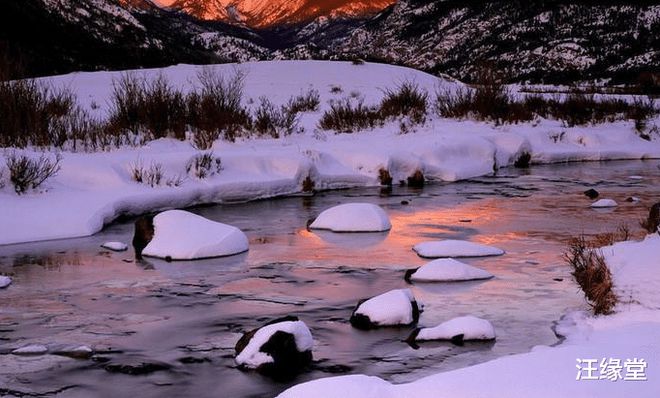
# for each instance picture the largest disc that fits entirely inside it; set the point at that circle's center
(448, 270)
(471, 327)
(604, 203)
(92, 189)
(455, 248)
(181, 235)
(632, 332)
(4, 281)
(252, 358)
(32, 349)
(389, 309)
(353, 217)
(115, 246)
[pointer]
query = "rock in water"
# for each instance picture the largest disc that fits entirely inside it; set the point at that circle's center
(446, 270)
(416, 180)
(394, 308)
(181, 235)
(144, 232)
(353, 217)
(604, 203)
(280, 349)
(4, 281)
(652, 223)
(591, 193)
(455, 248)
(115, 246)
(457, 330)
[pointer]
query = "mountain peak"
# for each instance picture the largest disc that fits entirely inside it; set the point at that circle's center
(268, 13)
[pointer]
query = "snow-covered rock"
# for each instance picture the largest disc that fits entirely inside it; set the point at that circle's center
(283, 346)
(32, 349)
(181, 235)
(604, 203)
(353, 217)
(76, 351)
(455, 248)
(394, 308)
(115, 246)
(4, 281)
(446, 270)
(457, 330)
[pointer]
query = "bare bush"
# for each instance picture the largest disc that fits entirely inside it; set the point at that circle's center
(346, 117)
(204, 165)
(28, 112)
(592, 275)
(273, 122)
(217, 110)
(408, 100)
(152, 175)
(28, 173)
(306, 102)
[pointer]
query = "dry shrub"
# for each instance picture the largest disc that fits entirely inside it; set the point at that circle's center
(408, 100)
(308, 185)
(306, 102)
(346, 116)
(384, 177)
(216, 111)
(27, 173)
(204, 165)
(652, 223)
(272, 121)
(592, 275)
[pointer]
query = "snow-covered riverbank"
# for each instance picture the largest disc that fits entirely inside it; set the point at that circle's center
(93, 189)
(627, 341)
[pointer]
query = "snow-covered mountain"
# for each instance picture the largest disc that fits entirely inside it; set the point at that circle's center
(268, 13)
(538, 40)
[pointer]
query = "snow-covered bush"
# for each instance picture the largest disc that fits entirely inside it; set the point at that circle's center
(28, 173)
(204, 165)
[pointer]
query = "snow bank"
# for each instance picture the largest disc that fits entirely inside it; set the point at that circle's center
(180, 235)
(396, 307)
(4, 281)
(251, 357)
(631, 333)
(447, 270)
(470, 327)
(115, 246)
(93, 189)
(455, 248)
(604, 203)
(353, 217)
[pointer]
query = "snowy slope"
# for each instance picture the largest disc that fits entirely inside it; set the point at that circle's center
(98, 185)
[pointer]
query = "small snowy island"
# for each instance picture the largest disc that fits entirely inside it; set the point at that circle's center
(353, 217)
(181, 235)
(446, 270)
(455, 248)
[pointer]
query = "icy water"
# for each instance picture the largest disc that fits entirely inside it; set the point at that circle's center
(183, 319)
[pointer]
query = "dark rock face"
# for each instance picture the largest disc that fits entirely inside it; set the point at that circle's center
(653, 221)
(416, 180)
(281, 346)
(144, 232)
(362, 322)
(409, 273)
(591, 193)
(523, 161)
